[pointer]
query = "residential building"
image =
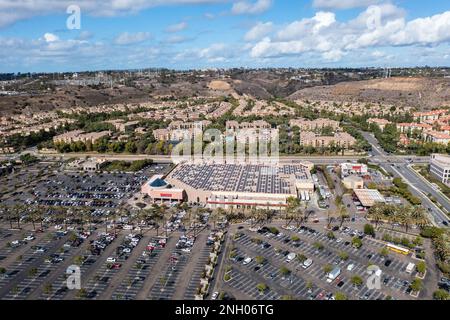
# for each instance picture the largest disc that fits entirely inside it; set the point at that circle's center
(339, 139)
(381, 123)
(313, 125)
(80, 135)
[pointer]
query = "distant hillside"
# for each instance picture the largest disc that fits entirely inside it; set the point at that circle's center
(421, 93)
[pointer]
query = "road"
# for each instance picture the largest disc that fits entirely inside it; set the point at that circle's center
(419, 187)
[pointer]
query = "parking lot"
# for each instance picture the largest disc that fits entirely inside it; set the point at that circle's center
(311, 282)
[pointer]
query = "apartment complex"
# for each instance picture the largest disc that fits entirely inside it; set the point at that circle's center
(80, 135)
(313, 125)
(430, 126)
(122, 125)
(440, 167)
(381, 123)
(339, 139)
(429, 115)
(178, 130)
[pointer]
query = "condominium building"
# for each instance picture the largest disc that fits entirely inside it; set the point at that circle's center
(429, 115)
(312, 125)
(409, 127)
(381, 123)
(339, 139)
(437, 137)
(440, 167)
(80, 135)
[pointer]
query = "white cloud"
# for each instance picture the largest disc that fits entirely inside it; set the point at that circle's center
(177, 39)
(177, 27)
(333, 55)
(377, 26)
(378, 54)
(343, 4)
(259, 31)
(15, 10)
(246, 7)
(126, 38)
(50, 37)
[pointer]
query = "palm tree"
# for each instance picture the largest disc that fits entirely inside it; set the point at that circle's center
(292, 209)
(376, 213)
(404, 217)
(343, 215)
(17, 212)
(419, 216)
(7, 212)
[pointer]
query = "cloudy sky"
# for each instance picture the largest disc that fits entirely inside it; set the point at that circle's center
(184, 34)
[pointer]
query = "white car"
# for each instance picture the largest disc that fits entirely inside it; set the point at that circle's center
(214, 295)
(291, 256)
(187, 250)
(126, 250)
(307, 263)
(111, 260)
(247, 261)
(29, 238)
(350, 267)
(338, 240)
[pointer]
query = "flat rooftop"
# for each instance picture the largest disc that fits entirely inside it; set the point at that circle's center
(246, 178)
(368, 197)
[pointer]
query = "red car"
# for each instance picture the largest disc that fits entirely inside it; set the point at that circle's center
(115, 266)
(320, 296)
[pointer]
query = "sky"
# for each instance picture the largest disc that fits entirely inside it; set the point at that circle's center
(50, 35)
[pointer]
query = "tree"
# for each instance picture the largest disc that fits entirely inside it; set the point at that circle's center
(356, 242)
(340, 296)
(421, 267)
(441, 294)
(284, 271)
(369, 230)
(416, 285)
(318, 245)
(82, 293)
(327, 268)
(356, 281)
(260, 260)
(293, 204)
(384, 252)
(330, 235)
(343, 255)
(261, 287)
(343, 215)
(301, 258)
(48, 288)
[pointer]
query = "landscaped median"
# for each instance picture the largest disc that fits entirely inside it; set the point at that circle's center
(210, 267)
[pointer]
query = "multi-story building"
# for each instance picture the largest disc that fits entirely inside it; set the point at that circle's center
(440, 167)
(312, 125)
(381, 123)
(437, 137)
(409, 127)
(429, 115)
(80, 135)
(339, 139)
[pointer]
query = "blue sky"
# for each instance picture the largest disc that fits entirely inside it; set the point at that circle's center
(181, 34)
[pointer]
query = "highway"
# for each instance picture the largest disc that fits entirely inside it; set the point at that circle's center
(420, 188)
